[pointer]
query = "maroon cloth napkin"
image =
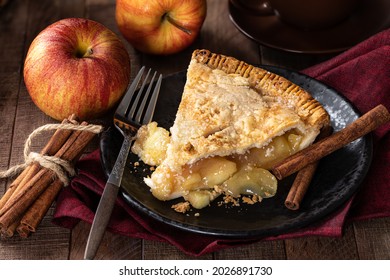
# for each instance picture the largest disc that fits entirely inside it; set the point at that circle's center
(361, 74)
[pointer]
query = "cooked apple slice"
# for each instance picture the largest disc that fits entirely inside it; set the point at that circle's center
(151, 144)
(216, 170)
(294, 141)
(201, 198)
(193, 180)
(265, 157)
(166, 190)
(251, 181)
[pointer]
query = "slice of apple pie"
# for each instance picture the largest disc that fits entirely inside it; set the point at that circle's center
(234, 122)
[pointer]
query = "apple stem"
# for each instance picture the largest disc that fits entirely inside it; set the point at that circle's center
(172, 21)
(82, 53)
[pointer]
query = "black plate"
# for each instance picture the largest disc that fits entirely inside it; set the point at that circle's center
(369, 18)
(339, 175)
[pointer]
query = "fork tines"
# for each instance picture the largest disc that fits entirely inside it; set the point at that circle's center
(137, 106)
(142, 113)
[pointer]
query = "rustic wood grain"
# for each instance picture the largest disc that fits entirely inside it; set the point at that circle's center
(154, 250)
(219, 35)
(323, 248)
(11, 58)
(113, 246)
(262, 250)
(11, 53)
(373, 239)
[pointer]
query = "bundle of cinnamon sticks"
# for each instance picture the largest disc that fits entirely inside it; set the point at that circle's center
(31, 194)
(305, 161)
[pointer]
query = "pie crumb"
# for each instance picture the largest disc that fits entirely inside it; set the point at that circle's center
(181, 207)
(251, 200)
(248, 200)
(230, 199)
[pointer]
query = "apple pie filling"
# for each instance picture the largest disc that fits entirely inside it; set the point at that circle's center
(201, 182)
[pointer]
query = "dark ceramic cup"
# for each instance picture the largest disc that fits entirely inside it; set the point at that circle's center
(306, 14)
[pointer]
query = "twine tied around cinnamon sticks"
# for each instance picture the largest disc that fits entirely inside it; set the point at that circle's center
(62, 168)
(31, 194)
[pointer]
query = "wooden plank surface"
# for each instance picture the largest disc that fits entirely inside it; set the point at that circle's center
(113, 246)
(22, 20)
(372, 239)
(50, 241)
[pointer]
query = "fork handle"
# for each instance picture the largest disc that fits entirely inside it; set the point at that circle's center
(102, 217)
(107, 201)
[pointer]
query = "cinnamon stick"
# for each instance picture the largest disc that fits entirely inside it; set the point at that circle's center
(41, 179)
(11, 189)
(9, 232)
(59, 137)
(360, 127)
(19, 203)
(23, 231)
(53, 145)
(299, 187)
(34, 215)
(303, 179)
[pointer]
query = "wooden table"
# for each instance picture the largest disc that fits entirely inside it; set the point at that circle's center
(20, 22)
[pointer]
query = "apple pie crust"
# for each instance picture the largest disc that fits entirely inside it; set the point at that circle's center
(234, 122)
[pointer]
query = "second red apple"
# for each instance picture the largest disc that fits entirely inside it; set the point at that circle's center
(160, 27)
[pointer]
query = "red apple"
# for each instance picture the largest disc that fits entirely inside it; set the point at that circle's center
(76, 66)
(160, 27)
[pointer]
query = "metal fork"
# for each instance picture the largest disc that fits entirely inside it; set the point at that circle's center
(135, 109)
